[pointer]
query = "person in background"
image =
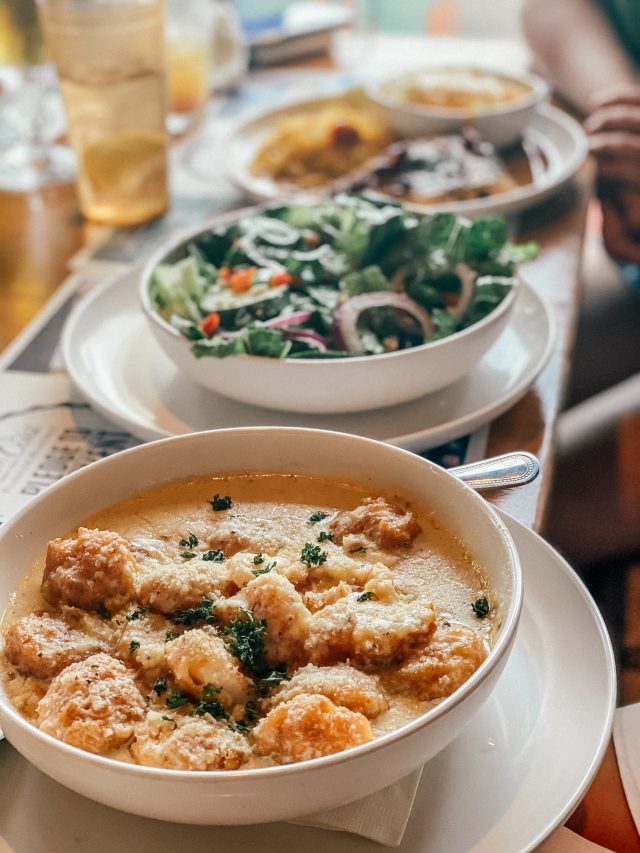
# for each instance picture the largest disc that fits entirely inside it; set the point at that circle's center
(590, 51)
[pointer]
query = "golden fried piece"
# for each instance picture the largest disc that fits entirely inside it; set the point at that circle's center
(274, 598)
(452, 656)
(369, 632)
(308, 727)
(97, 569)
(188, 743)
(343, 684)
(199, 658)
(42, 645)
(142, 642)
(388, 526)
(93, 705)
(179, 586)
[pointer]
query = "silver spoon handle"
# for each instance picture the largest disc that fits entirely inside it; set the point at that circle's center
(509, 469)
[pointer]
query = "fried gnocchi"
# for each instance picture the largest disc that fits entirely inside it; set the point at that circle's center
(226, 623)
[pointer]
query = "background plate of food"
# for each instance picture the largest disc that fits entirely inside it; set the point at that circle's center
(312, 147)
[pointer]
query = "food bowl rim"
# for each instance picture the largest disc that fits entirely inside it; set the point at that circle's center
(497, 652)
(152, 315)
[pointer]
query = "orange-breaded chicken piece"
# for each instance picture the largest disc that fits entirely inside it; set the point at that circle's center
(308, 727)
(95, 569)
(179, 586)
(199, 658)
(274, 598)
(43, 645)
(343, 684)
(387, 525)
(93, 705)
(188, 743)
(452, 656)
(369, 632)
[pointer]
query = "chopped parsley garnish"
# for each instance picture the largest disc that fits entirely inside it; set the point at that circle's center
(208, 704)
(267, 568)
(103, 613)
(191, 542)
(188, 555)
(312, 555)
(134, 645)
(325, 537)
(246, 639)
(258, 559)
(136, 614)
(214, 708)
(358, 550)
(219, 503)
(160, 686)
(315, 517)
(176, 699)
(202, 612)
(366, 596)
(249, 719)
(169, 636)
(214, 556)
(481, 607)
(168, 719)
(272, 679)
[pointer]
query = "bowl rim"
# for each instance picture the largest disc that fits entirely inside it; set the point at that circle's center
(497, 652)
(539, 91)
(159, 256)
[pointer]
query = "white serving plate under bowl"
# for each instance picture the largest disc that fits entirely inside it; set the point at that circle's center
(501, 124)
(323, 386)
(274, 793)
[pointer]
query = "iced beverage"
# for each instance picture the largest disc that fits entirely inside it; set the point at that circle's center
(110, 58)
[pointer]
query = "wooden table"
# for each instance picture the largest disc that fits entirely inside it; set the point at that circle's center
(40, 231)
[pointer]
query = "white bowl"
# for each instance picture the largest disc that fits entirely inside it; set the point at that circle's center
(502, 124)
(314, 386)
(275, 793)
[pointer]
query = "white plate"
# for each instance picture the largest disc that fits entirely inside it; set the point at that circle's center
(516, 772)
(114, 361)
(557, 142)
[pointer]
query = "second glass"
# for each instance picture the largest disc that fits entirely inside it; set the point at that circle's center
(110, 58)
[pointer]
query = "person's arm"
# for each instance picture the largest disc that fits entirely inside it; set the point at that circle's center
(577, 49)
(603, 816)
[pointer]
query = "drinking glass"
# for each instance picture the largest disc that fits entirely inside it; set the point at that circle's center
(29, 105)
(189, 42)
(110, 58)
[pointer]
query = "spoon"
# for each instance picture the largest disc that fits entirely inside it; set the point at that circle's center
(508, 469)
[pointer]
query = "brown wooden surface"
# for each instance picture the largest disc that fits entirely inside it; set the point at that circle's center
(39, 232)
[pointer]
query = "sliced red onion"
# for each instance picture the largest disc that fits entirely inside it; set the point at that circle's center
(345, 319)
(306, 336)
(288, 320)
(467, 288)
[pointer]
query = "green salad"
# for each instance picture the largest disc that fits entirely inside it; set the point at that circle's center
(348, 276)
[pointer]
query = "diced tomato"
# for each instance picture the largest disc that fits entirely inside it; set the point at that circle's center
(224, 272)
(210, 323)
(279, 278)
(240, 281)
(311, 238)
(451, 299)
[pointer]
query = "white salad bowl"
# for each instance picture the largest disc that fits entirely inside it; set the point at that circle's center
(272, 793)
(324, 386)
(501, 124)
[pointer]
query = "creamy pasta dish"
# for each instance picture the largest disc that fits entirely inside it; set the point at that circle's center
(244, 621)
